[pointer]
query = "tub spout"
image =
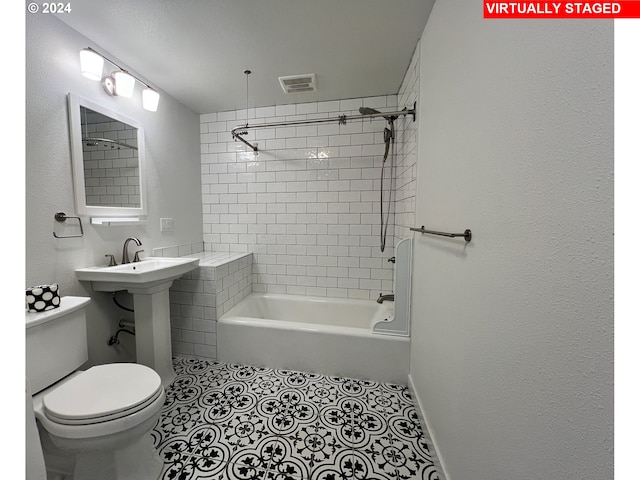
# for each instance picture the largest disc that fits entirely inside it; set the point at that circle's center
(382, 297)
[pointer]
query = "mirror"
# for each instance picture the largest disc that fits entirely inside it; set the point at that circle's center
(108, 158)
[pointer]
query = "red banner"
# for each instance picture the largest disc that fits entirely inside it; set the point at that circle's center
(562, 9)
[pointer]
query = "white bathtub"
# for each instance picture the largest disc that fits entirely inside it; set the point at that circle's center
(313, 334)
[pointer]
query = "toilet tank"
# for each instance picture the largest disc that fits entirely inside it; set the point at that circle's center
(56, 343)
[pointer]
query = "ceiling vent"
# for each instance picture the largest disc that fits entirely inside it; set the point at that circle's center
(299, 83)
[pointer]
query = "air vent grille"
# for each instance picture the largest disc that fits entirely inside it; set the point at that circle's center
(299, 83)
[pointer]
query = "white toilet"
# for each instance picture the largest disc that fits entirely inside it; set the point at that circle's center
(93, 424)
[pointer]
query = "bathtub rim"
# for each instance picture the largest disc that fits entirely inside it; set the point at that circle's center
(231, 317)
(308, 328)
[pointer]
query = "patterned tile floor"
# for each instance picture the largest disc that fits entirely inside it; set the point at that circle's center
(238, 422)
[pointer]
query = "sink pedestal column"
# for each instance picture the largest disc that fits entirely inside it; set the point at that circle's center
(153, 329)
(148, 281)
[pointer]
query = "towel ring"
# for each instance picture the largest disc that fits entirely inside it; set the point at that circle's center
(61, 217)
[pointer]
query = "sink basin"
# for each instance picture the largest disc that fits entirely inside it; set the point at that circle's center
(150, 272)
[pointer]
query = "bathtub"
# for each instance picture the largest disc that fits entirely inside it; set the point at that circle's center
(313, 334)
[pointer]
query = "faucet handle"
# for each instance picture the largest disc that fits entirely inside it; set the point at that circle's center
(112, 260)
(136, 257)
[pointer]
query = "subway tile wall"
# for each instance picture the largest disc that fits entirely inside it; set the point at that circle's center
(200, 297)
(178, 250)
(307, 205)
(406, 170)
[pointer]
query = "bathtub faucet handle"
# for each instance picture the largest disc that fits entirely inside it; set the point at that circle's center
(392, 260)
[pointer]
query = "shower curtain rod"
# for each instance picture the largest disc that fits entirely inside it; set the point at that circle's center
(108, 140)
(236, 132)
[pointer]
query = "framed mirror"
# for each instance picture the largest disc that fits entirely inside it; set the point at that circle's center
(108, 156)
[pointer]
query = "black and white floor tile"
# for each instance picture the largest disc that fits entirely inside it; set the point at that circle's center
(236, 422)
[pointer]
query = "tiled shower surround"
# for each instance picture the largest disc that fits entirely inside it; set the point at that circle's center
(308, 204)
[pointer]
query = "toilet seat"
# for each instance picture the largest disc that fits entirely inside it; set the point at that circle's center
(103, 418)
(103, 393)
(121, 418)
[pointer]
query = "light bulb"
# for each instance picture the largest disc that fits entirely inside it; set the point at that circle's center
(91, 64)
(125, 84)
(150, 99)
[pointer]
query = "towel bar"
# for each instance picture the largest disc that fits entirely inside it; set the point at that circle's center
(466, 234)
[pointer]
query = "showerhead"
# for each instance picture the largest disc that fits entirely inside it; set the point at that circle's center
(373, 111)
(367, 111)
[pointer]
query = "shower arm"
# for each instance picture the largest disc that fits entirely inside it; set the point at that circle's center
(240, 130)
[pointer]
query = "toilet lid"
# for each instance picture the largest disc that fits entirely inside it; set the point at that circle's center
(102, 393)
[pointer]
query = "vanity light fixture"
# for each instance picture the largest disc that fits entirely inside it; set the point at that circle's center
(121, 82)
(124, 83)
(150, 99)
(91, 64)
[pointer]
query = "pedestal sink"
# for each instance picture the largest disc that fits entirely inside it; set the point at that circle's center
(149, 281)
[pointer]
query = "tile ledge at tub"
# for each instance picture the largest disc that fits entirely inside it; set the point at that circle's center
(215, 259)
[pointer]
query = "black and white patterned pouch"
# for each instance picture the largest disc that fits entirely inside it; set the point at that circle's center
(43, 298)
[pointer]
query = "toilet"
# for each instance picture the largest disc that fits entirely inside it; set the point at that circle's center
(93, 424)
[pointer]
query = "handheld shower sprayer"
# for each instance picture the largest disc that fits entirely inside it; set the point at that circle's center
(389, 136)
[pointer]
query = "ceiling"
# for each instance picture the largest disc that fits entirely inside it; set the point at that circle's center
(197, 50)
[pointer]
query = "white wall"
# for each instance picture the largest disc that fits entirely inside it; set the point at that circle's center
(173, 176)
(512, 340)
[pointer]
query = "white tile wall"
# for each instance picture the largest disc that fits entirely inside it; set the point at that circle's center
(405, 187)
(178, 250)
(201, 296)
(308, 204)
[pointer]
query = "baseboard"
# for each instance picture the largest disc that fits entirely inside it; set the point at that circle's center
(442, 471)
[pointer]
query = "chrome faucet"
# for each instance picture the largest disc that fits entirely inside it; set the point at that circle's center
(125, 251)
(382, 297)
